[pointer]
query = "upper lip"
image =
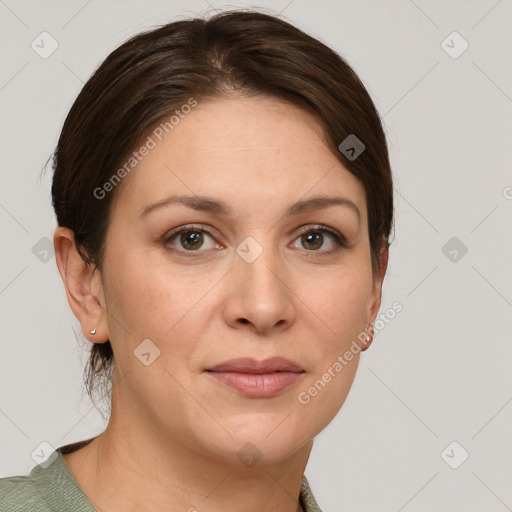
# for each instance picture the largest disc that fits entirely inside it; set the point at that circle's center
(250, 365)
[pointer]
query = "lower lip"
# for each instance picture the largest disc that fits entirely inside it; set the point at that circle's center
(258, 385)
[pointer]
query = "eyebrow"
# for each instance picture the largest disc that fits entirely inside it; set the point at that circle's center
(211, 205)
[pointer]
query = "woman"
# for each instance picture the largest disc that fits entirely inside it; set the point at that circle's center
(224, 203)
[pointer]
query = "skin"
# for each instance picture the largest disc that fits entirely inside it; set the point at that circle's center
(174, 433)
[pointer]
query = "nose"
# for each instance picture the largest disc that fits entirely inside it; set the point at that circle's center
(260, 292)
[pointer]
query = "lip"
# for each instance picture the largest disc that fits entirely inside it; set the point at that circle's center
(258, 379)
(250, 365)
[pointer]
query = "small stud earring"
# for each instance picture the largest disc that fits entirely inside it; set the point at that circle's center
(93, 331)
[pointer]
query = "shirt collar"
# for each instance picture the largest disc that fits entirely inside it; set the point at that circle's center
(61, 491)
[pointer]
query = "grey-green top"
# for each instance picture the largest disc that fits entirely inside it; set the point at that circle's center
(54, 488)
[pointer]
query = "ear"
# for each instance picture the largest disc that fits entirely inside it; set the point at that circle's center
(376, 297)
(84, 287)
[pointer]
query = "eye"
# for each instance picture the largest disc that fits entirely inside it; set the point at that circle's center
(313, 238)
(190, 238)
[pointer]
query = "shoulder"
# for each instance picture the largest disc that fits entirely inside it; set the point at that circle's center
(48, 487)
(306, 497)
(20, 493)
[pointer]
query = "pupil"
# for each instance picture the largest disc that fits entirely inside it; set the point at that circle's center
(312, 238)
(191, 238)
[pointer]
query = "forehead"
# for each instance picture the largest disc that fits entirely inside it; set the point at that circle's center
(241, 150)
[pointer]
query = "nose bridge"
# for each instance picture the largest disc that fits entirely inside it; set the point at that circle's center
(259, 260)
(260, 274)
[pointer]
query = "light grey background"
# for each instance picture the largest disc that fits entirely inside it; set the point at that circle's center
(439, 372)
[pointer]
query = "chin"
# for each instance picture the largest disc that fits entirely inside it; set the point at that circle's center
(264, 440)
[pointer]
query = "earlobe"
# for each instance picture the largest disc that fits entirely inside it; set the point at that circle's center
(83, 286)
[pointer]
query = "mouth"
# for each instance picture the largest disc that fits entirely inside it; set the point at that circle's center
(257, 379)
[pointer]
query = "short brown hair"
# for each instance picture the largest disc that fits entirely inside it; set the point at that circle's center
(155, 72)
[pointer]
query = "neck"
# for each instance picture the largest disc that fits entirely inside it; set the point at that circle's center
(137, 469)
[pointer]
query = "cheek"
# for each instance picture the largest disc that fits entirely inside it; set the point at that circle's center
(340, 303)
(148, 301)
(145, 294)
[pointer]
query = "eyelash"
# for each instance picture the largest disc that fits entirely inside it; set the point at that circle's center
(340, 240)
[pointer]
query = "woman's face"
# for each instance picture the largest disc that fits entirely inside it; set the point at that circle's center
(251, 277)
